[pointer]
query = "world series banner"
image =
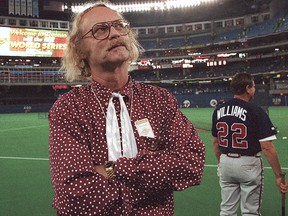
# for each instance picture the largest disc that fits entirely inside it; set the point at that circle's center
(32, 42)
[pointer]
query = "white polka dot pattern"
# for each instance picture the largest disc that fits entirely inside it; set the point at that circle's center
(144, 185)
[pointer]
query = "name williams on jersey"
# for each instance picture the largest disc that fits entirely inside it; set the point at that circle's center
(236, 111)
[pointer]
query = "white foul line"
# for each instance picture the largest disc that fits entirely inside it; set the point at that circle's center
(208, 165)
(24, 158)
(23, 128)
(46, 159)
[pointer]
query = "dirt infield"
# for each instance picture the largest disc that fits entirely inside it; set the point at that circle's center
(202, 130)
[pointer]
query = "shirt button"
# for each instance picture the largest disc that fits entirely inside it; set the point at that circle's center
(152, 146)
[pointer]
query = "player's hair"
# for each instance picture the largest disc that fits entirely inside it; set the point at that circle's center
(73, 65)
(239, 83)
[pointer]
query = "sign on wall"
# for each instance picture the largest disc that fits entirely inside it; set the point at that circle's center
(32, 42)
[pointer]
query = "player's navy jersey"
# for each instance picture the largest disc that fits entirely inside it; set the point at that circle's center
(239, 125)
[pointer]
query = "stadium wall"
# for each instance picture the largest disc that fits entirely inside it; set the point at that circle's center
(211, 99)
(184, 100)
(25, 108)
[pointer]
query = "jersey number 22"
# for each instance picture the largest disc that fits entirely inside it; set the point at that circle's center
(238, 134)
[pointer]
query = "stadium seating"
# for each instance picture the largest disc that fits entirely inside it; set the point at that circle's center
(251, 48)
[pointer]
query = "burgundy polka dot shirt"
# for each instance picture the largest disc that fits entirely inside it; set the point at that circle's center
(171, 161)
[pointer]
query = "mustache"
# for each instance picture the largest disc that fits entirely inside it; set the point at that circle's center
(116, 44)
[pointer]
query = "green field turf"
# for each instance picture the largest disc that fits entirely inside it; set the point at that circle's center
(25, 186)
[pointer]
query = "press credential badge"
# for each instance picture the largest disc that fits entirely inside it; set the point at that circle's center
(144, 128)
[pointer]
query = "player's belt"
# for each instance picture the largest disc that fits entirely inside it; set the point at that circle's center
(237, 155)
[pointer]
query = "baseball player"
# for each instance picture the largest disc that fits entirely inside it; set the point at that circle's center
(240, 131)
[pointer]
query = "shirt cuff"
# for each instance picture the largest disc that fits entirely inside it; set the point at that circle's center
(270, 138)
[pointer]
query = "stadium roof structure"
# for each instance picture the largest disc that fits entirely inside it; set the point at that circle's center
(161, 12)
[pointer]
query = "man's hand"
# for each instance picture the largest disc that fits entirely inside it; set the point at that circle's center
(101, 170)
(283, 186)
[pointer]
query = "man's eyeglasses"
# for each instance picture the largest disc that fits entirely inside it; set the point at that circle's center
(101, 31)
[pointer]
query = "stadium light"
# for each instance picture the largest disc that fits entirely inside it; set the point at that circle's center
(148, 6)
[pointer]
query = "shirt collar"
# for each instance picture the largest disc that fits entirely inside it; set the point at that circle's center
(127, 90)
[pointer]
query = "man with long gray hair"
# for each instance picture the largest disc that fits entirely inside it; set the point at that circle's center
(116, 147)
